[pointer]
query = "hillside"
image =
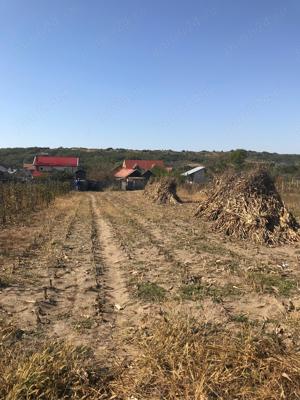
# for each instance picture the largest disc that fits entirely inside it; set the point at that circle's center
(96, 160)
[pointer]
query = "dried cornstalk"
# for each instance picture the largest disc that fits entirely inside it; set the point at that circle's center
(20, 199)
(162, 191)
(248, 206)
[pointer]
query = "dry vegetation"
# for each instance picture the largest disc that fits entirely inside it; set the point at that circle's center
(182, 359)
(56, 371)
(20, 199)
(162, 191)
(248, 206)
(112, 296)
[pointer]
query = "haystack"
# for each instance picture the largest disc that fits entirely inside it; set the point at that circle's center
(248, 206)
(162, 191)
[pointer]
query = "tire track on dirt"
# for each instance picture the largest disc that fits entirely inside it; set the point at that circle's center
(169, 272)
(122, 314)
(185, 254)
(76, 308)
(215, 269)
(149, 260)
(155, 238)
(79, 293)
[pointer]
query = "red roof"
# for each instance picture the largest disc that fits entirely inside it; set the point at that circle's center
(143, 164)
(50, 161)
(124, 173)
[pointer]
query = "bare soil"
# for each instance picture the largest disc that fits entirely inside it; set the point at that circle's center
(97, 267)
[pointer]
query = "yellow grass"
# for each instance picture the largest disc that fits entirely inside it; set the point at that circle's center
(53, 371)
(182, 359)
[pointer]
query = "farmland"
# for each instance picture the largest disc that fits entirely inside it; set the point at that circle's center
(133, 300)
(18, 200)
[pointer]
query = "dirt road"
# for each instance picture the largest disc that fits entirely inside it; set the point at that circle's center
(96, 267)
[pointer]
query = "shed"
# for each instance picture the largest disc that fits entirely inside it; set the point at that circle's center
(130, 179)
(134, 183)
(195, 175)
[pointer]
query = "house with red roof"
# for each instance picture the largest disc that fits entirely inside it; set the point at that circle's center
(137, 168)
(133, 174)
(143, 164)
(45, 164)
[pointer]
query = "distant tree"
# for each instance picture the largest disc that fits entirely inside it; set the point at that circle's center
(98, 163)
(61, 176)
(159, 172)
(238, 158)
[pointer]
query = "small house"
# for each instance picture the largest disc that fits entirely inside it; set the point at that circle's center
(196, 175)
(134, 174)
(131, 179)
(143, 164)
(45, 164)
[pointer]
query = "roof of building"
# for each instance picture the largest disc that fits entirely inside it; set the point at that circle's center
(124, 172)
(53, 161)
(193, 171)
(12, 171)
(3, 169)
(143, 164)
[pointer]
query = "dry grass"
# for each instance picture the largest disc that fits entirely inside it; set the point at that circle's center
(178, 358)
(292, 201)
(192, 193)
(53, 371)
(181, 359)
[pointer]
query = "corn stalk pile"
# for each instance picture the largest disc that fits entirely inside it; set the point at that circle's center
(20, 199)
(248, 206)
(162, 191)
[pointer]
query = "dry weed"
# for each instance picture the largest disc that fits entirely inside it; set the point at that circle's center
(180, 359)
(56, 371)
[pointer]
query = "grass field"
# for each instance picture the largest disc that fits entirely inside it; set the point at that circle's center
(108, 296)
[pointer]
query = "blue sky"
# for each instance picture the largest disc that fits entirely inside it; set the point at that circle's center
(188, 74)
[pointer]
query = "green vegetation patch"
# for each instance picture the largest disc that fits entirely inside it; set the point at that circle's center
(150, 291)
(84, 323)
(198, 291)
(240, 318)
(267, 283)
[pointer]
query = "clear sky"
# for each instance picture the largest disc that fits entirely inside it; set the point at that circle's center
(179, 74)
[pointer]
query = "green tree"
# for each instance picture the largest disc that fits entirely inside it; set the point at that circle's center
(238, 158)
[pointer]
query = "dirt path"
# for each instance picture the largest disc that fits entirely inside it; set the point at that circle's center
(126, 311)
(232, 283)
(108, 263)
(75, 289)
